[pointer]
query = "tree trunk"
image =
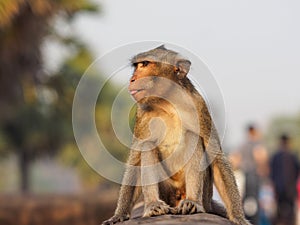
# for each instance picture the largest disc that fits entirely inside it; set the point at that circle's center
(24, 165)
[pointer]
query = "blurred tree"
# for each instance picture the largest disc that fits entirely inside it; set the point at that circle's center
(289, 124)
(28, 121)
(64, 83)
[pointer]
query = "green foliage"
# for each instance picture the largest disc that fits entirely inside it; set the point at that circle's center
(33, 130)
(45, 9)
(36, 108)
(288, 124)
(35, 116)
(3, 144)
(70, 155)
(64, 83)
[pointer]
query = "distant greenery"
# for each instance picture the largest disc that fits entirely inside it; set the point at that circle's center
(34, 116)
(36, 106)
(288, 124)
(65, 82)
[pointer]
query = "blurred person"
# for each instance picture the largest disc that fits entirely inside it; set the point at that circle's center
(298, 201)
(266, 195)
(254, 164)
(284, 174)
(235, 161)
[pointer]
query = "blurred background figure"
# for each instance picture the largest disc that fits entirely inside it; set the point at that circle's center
(235, 160)
(253, 162)
(284, 174)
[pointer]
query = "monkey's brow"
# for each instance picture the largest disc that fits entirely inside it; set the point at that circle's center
(140, 61)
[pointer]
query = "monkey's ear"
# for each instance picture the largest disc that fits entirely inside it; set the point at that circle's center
(161, 47)
(183, 67)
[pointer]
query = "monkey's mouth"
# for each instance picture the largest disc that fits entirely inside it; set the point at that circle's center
(133, 92)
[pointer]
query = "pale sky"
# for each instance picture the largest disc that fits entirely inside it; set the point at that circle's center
(252, 47)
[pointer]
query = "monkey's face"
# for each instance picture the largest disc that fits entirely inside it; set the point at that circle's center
(151, 79)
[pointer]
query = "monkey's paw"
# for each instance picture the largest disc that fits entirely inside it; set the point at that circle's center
(189, 207)
(157, 208)
(116, 219)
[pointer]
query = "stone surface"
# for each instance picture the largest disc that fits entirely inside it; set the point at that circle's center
(201, 218)
(195, 219)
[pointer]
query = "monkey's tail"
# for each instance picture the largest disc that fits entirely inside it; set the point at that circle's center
(218, 209)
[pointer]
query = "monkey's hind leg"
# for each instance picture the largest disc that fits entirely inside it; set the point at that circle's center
(227, 188)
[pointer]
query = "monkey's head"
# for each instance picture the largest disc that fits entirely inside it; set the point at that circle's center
(155, 72)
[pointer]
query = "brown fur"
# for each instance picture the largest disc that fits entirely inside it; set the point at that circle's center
(189, 186)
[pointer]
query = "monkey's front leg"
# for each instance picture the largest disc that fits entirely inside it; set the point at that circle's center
(151, 172)
(194, 179)
(127, 198)
(122, 212)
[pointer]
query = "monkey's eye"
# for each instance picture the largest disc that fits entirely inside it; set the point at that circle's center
(145, 63)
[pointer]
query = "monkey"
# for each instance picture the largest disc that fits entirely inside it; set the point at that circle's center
(176, 154)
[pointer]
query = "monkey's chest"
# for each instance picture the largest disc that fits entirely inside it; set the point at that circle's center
(171, 142)
(173, 153)
(170, 145)
(166, 129)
